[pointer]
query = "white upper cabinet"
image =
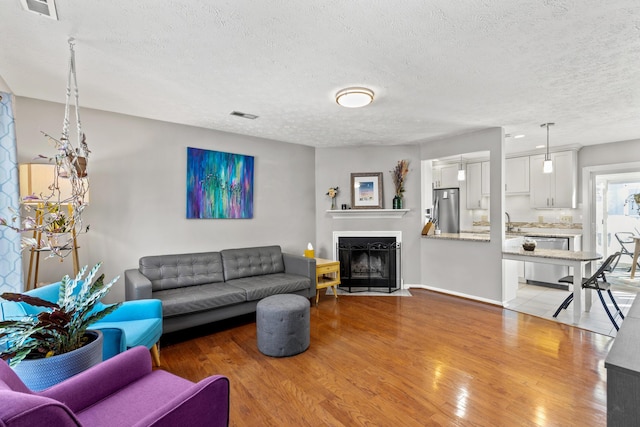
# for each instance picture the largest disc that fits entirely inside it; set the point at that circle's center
(486, 172)
(446, 177)
(517, 175)
(474, 187)
(557, 189)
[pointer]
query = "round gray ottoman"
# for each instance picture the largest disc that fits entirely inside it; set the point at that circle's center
(283, 325)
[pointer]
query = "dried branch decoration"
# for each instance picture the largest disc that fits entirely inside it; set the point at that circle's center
(399, 173)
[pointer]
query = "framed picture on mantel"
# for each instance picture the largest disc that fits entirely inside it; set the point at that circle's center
(366, 190)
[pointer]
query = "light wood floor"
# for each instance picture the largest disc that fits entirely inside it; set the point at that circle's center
(426, 360)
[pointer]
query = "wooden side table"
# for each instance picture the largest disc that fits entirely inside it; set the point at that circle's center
(327, 275)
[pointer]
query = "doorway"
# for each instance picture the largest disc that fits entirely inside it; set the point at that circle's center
(616, 211)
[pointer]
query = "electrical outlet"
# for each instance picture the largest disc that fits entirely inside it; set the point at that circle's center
(566, 219)
(541, 219)
(484, 218)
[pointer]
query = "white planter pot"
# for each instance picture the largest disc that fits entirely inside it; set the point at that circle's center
(58, 240)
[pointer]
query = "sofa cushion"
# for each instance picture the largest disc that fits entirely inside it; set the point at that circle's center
(259, 287)
(249, 262)
(176, 271)
(197, 298)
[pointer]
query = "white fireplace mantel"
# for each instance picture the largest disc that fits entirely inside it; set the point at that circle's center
(367, 213)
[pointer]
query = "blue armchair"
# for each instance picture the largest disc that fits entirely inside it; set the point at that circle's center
(134, 323)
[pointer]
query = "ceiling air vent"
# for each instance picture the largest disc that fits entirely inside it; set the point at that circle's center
(244, 115)
(41, 7)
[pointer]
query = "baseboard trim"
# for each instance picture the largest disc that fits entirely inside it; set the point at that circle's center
(456, 294)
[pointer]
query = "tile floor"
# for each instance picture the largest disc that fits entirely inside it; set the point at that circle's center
(541, 301)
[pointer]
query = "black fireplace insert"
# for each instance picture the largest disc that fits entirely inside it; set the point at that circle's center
(369, 264)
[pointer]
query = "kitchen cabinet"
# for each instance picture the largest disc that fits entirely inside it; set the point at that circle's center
(446, 176)
(517, 175)
(557, 189)
(475, 200)
(485, 187)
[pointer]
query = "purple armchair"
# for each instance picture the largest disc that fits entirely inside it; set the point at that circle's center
(121, 391)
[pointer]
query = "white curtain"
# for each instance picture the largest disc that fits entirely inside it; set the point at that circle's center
(10, 255)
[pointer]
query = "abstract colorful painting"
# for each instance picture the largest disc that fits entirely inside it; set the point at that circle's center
(219, 185)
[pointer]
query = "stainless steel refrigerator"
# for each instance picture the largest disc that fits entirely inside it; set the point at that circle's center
(446, 209)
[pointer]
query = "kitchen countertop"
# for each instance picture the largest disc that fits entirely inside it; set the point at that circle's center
(483, 236)
(555, 254)
(531, 233)
(567, 235)
(475, 237)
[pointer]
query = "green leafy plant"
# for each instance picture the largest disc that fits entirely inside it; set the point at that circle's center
(55, 221)
(60, 327)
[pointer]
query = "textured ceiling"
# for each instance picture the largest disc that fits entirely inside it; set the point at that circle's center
(437, 67)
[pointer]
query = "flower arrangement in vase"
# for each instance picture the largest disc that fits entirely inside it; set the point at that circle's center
(399, 174)
(332, 193)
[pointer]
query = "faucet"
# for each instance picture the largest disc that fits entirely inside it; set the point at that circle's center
(509, 226)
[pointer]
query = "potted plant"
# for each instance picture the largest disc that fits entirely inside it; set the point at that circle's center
(57, 226)
(52, 343)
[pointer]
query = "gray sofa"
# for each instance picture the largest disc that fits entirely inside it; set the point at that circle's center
(200, 288)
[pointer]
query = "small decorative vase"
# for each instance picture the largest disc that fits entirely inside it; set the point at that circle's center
(333, 203)
(397, 202)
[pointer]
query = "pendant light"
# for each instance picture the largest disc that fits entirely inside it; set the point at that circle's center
(461, 172)
(547, 166)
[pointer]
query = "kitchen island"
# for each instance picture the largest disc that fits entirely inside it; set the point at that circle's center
(575, 259)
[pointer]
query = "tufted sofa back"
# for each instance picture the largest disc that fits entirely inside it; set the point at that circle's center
(255, 261)
(177, 271)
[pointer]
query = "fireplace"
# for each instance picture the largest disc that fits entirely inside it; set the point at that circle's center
(369, 263)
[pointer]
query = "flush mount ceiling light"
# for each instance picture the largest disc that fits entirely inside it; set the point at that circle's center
(547, 166)
(354, 97)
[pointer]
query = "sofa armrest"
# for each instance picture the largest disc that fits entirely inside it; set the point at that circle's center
(11, 310)
(297, 264)
(80, 391)
(114, 340)
(205, 404)
(22, 409)
(136, 285)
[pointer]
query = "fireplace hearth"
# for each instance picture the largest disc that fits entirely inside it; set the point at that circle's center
(369, 264)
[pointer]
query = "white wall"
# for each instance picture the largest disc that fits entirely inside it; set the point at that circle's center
(615, 157)
(3, 86)
(334, 167)
(607, 154)
(470, 269)
(137, 175)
